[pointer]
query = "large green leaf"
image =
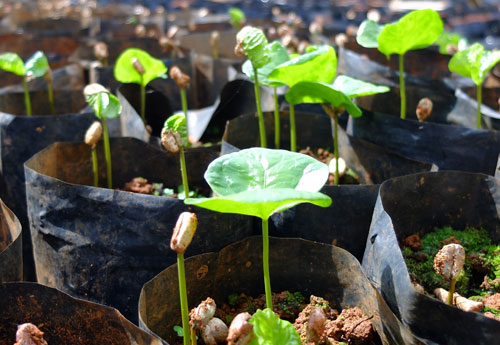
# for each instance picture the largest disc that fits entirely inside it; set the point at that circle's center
(317, 92)
(317, 65)
(126, 73)
(37, 65)
(474, 62)
(416, 30)
(368, 33)
(254, 44)
(278, 55)
(177, 123)
(260, 182)
(352, 87)
(105, 105)
(11, 62)
(269, 329)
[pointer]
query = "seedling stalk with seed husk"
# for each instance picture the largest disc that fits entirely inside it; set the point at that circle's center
(335, 99)
(174, 138)
(105, 106)
(182, 81)
(252, 43)
(138, 67)
(184, 230)
(416, 30)
(474, 62)
(449, 262)
(92, 137)
(36, 66)
(259, 182)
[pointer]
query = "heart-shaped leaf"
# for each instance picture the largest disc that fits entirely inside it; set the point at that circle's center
(416, 30)
(368, 33)
(317, 92)
(474, 62)
(177, 123)
(104, 104)
(278, 55)
(126, 73)
(317, 65)
(253, 42)
(260, 182)
(269, 329)
(11, 62)
(37, 65)
(352, 87)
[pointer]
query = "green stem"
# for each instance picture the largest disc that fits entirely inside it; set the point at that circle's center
(184, 172)
(183, 296)
(336, 146)
(451, 292)
(107, 152)
(185, 111)
(293, 132)
(479, 98)
(262, 128)
(50, 92)
(143, 102)
(193, 336)
(276, 120)
(265, 263)
(95, 168)
(27, 101)
(402, 91)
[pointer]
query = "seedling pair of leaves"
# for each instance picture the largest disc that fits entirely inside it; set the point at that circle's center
(138, 67)
(416, 30)
(105, 106)
(36, 66)
(474, 62)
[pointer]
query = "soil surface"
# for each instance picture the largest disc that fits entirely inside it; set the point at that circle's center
(325, 156)
(142, 186)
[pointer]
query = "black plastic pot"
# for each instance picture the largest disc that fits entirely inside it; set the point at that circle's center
(417, 204)
(11, 253)
(372, 163)
(448, 147)
(63, 319)
(103, 244)
(23, 136)
(320, 269)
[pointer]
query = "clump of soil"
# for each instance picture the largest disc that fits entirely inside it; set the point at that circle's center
(325, 156)
(142, 186)
(480, 277)
(350, 326)
(139, 185)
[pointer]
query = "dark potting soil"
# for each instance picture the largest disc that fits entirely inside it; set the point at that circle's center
(325, 156)
(480, 276)
(350, 326)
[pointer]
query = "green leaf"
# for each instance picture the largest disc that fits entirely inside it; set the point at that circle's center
(353, 88)
(37, 65)
(177, 123)
(277, 54)
(126, 73)
(254, 44)
(179, 330)
(237, 16)
(450, 38)
(317, 92)
(474, 62)
(269, 329)
(11, 62)
(105, 105)
(317, 65)
(367, 34)
(416, 30)
(260, 182)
